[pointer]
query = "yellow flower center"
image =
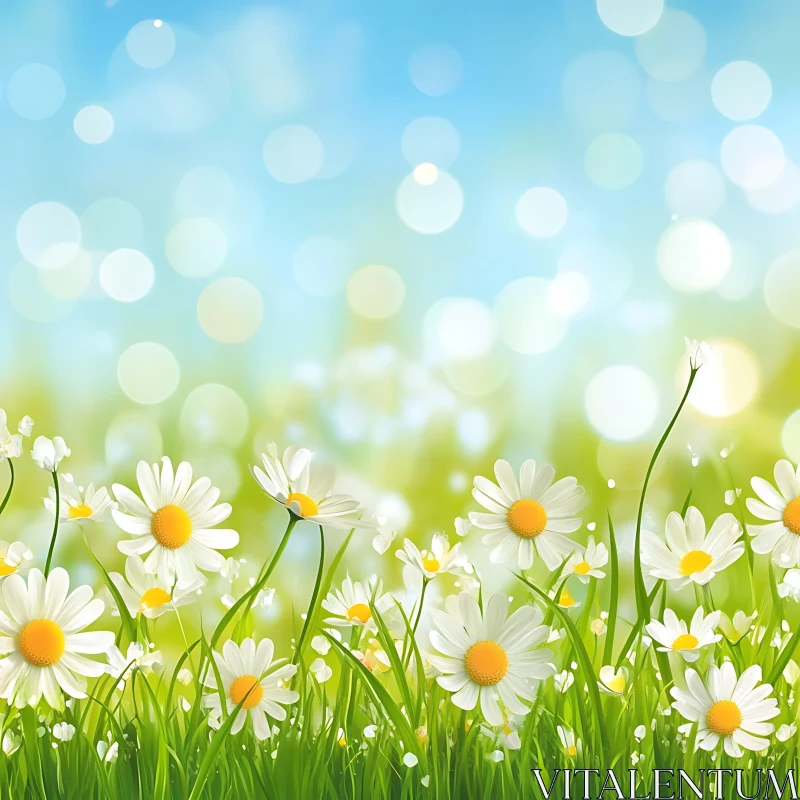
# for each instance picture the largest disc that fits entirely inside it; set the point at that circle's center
(486, 663)
(617, 683)
(6, 569)
(685, 642)
(41, 643)
(566, 600)
(360, 612)
(527, 518)
(572, 751)
(583, 568)
(791, 516)
(171, 527)
(430, 564)
(694, 561)
(308, 508)
(240, 688)
(724, 717)
(81, 511)
(155, 597)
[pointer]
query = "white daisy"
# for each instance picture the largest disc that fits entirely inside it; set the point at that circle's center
(675, 637)
(488, 658)
(13, 557)
(735, 711)
(781, 508)
(77, 504)
(41, 636)
(306, 492)
(440, 559)
(144, 593)
(587, 565)
(691, 556)
(526, 515)
(350, 605)
(248, 673)
(174, 524)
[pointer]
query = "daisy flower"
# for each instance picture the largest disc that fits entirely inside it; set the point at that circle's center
(174, 524)
(734, 629)
(723, 707)
(144, 593)
(485, 657)
(690, 555)
(569, 743)
(350, 604)
(528, 515)
(77, 504)
(248, 673)
(781, 509)
(565, 599)
(675, 637)
(121, 666)
(587, 565)
(440, 559)
(13, 556)
(10, 444)
(613, 681)
(41, 634)
(306, 492)
(48, 453)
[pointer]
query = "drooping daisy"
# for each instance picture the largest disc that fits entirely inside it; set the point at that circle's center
(781, 508)
(440, 559)
(570, 745)
(77, 504)
(48, 453)
(13, 558)
(528, 515)
(587, 565)
(613, 681)
(675, 637)
(734, 629)
(689, 555)
(144, 593)
(350, 605)
(487, 657)
(10, 444)
(248, 673)
(306, 492)
(723, 707)
(43, 638)
(174, 524)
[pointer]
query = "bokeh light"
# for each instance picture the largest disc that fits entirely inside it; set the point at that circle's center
(728, 381)
(214, 415)
(49, 235)
(93, 124)
(110, 223)
(375, 292)
(527, 322)
(320, 266)
(542, 212)
(148, 373)
(30, 298)
(126, 275)
(601, 90)
(435, 68)
(790, 436)
(741, 90)
(131, 437)
(630, 17)
(613, 161)
(752, 156)
(36, 91)
(205, 191)
(230, 310)
(432, 206)
(782, 288)
(695, 188)
(150, 45)
(430, 139)
(465, 328)
(674, 48)
(71, 281)
(621, 403)
(196, 247)
(293, 154)
(693, 255)
(607, 269)
(568, 293)
(780, 196)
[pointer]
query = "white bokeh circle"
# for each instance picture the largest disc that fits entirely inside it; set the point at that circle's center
(630, 17)
(293, 154)
(695, 189)
(213, 414)
(126, 275)
(525, 319)
(430, 202)
(674, 49)
(320, 266)
(435, 68)
(375, 292)
(782, 288)
(430, 139)
(230, 310)
(36, 91)
(49, 235)
(150, 45)
(621, 403)
(790, 436)
(148, 373)
(741, 90)
(613, 161)
(542, 212)
(693, 255)
(196, 247)
(464, 328)
(752, 156)
(93, 124)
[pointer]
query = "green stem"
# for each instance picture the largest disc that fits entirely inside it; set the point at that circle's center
(747, 545)
(407, 653)
(608, 650)
(55, 528)
(298, 653)
(10, 486)
(641, 593)
(249, 597)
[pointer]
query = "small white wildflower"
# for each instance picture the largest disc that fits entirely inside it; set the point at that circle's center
(321, 645)
(185, 676)
(369, 731)
(785, 732)
(410, 760)
(639, 733)
(496, 756)
(63, 731)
